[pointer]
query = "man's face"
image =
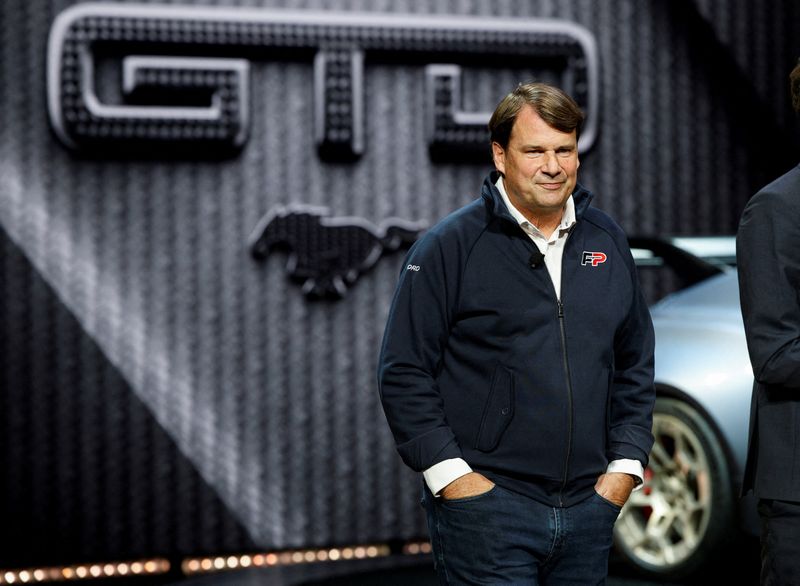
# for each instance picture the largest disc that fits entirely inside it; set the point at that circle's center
(540, 165)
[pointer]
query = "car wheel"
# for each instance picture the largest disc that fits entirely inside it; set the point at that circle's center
(683, 514)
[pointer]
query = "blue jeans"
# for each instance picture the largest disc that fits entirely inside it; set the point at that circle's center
(501, 537)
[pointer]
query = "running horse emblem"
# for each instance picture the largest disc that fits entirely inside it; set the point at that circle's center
(328, 254)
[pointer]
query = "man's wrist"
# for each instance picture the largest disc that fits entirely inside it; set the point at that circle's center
(630, 467)
(443, 473)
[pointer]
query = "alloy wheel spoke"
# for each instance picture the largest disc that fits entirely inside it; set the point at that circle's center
(659, 458)
(640, 499)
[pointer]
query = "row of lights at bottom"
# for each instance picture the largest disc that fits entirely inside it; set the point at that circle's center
(86, 572)
(203, 565)
(284, 558)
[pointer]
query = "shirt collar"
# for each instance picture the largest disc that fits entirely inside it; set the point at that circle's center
(567, 220)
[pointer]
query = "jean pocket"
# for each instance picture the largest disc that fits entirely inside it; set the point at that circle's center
(468, 499)
(607, 502)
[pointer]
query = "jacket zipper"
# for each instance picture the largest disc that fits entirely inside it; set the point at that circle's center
(569, 399)
(566, 370)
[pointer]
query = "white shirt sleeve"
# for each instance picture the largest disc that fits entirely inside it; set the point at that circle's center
(443, 473)
(632, 467)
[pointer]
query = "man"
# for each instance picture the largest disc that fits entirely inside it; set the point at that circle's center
(517, 365)
(768, 255)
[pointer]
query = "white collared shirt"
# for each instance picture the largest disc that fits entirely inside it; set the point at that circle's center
(552, 248)
(443, 473)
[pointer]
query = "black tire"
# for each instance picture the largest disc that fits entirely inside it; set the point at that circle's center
(684, 514)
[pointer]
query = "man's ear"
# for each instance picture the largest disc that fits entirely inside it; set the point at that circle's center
(499, 157)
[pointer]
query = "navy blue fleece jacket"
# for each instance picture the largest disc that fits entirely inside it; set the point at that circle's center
(481, 361)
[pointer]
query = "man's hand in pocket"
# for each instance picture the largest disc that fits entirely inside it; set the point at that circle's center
(471, 484)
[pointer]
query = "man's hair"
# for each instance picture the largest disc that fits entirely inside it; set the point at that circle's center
(794, 84)
(552, 105)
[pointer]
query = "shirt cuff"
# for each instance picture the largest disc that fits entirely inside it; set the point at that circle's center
(632, 467)
(443, 473)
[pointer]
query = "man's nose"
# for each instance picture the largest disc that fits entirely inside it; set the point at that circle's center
(550, 164)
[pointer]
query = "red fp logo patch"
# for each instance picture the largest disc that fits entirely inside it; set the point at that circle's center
(593, 258)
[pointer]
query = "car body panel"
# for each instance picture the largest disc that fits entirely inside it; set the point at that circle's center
(701, 351)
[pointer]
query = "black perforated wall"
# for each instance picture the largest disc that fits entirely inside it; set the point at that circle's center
(164, 388)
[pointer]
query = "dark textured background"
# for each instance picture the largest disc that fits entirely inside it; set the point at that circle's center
(163, 393)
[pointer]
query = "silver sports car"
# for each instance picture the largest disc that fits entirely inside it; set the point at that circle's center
(689, 506)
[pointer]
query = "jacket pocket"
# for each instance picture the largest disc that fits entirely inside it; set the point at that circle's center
(498, 411)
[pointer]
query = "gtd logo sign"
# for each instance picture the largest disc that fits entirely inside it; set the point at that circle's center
(185, 72)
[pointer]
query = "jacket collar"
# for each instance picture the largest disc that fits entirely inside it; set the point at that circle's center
(497, 207)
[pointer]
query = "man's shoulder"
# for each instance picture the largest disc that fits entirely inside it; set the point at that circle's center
(602, 221)
(453, 234)
(783, 191)
(466, 221)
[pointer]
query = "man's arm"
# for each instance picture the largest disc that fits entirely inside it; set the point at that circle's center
(416, 334)
(632, 398)
(768, 257)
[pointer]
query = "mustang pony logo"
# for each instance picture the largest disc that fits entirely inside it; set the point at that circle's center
(328, 254)
(593, 258)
